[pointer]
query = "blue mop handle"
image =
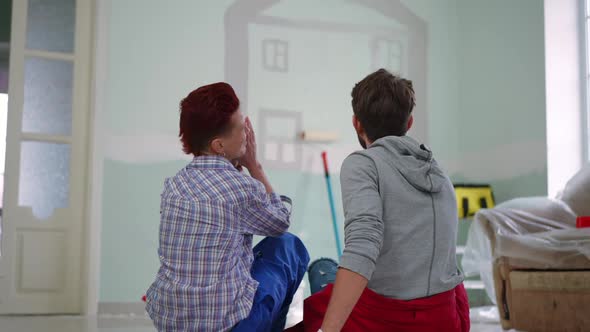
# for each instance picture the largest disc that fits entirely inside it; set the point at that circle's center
(332, 207)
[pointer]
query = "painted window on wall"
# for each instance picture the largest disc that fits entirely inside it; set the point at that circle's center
(278, 130)
(275, 55)
(388, 54)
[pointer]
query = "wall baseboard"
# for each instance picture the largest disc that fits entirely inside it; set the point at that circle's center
(122, 315)
(121, 308)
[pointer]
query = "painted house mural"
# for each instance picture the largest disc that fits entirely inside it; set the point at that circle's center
(294, 69)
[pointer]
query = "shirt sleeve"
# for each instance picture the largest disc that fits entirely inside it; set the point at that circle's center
(265, 214)
(363, 212)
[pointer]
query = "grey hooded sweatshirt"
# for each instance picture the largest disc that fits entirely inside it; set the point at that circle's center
(400, 220)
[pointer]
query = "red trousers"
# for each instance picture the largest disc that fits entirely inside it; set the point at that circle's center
(445, 312)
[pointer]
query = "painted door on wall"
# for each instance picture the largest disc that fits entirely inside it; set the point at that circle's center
(46, 161)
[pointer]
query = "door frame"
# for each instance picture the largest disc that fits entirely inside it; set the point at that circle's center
(82, 59)
(93, 218)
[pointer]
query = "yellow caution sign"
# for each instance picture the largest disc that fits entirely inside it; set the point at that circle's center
(473, 197)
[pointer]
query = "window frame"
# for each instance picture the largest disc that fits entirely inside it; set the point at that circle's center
(585, 116)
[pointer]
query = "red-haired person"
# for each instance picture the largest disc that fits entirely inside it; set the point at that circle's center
(210, 277)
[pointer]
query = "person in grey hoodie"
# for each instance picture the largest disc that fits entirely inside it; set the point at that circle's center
(399, 206)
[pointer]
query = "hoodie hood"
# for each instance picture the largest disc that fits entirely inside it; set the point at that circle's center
(413, 160)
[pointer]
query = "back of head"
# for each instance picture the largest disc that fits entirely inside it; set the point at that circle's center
(204, 114)
(383, 104)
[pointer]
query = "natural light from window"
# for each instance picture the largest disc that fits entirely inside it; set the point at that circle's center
(3, 116)
(586, 117)
(565, 96)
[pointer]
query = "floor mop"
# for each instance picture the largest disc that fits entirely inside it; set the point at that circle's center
(323, 271)
(332, 207)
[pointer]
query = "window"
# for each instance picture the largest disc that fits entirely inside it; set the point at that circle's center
(565, 96)
(388, 54)
(3, 116)
(275, 55)
(586, 114)
(278, 131)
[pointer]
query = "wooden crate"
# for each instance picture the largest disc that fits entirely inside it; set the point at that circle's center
(542, 300)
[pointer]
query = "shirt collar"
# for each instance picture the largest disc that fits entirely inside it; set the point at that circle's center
(211, 162)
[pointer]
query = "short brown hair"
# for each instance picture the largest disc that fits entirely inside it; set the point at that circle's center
(383, 103)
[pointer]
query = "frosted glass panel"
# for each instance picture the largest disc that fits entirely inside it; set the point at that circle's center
(48, 96)
(50, 25)
(44, 177)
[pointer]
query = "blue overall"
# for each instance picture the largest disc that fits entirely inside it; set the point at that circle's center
(279, 266)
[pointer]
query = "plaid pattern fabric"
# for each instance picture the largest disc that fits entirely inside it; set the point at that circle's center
(209, 212)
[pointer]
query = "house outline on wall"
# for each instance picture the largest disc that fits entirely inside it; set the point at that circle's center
(412, 40)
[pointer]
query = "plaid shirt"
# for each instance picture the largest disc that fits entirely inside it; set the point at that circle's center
(209, 212)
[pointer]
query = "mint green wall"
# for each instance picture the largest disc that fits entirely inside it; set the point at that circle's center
(443, 85)
(130, 214)
(502, 50)
(502, 92)
(157, 52)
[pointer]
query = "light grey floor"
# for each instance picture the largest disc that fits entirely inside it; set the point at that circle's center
(111, 324)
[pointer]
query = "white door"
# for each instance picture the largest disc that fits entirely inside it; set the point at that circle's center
(46, 160)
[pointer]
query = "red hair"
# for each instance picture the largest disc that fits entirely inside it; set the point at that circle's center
(205, 114)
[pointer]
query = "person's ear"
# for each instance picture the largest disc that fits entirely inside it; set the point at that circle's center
(357, 126)
(216, 147)
(410, 122)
